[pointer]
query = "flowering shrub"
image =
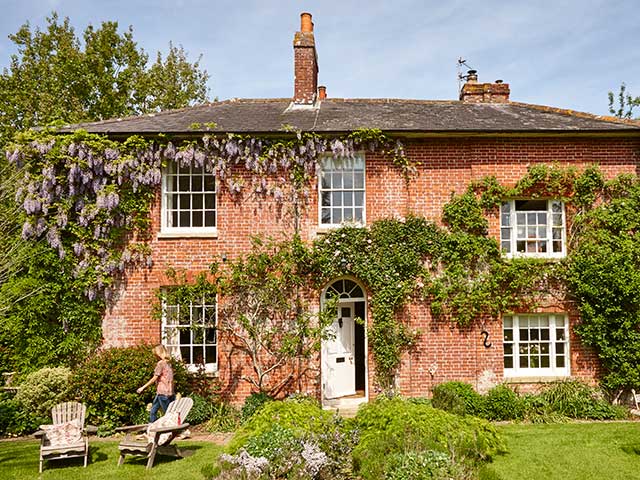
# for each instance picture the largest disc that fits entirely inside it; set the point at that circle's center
(43, 389)
(294, 438)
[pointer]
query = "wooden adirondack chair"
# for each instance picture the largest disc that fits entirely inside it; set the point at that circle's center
(158, 439)
(67, 437)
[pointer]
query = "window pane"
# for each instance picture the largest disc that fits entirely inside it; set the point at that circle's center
(560, 361)
(347, 180)
(348, 214)
(508, 335)
(198, 202)
(358, 180)
(197, 219)
(507, 321)
(209, 201)
(336, 199)
(506, 247)
(524, 334)
(326, 199)
(336, 215)
(505, 207)
(560, 334)
(544, 361)
(359, 199)
(196, 183)
(337, 180)
(326, 215)
(184, 183)
(358, 214)
(185, 219)
(209, 219)
(508, 349)
(347, 199)
(325, 180)
(508, 362)
(505, 233)
(531, 205)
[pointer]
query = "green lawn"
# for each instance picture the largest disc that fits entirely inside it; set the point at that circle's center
(19, 460)
(574, 451)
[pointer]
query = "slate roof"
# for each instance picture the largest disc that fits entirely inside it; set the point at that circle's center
(342, 115)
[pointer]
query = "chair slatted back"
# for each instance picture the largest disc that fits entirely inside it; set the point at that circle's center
(636, 398)
(182, 406)
(67, 411)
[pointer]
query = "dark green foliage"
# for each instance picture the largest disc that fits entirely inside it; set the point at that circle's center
(575, 399)
(391, 426)
(502, 403)
(107, 384)
(15, 420)
(201, 411)
(557, 402)
(253, 403)
(46, 319)
(604, 276)
(626, 103)
(459, 398)
(225, 418)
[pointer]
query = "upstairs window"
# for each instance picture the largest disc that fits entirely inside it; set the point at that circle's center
(189, 333)
(534, 228)
(536, 345)
(342, 190)
(188, 200)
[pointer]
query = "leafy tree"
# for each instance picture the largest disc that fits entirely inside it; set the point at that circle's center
(265, 314)
(626, 103)
(56, 76)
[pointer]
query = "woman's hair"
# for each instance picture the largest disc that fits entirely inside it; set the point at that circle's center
(161, 352)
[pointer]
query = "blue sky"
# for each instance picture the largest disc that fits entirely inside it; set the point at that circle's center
(563, 53)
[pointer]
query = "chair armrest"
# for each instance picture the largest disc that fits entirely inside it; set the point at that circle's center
(174, 428)
(132, 428)
(91, 429)
(38, 434)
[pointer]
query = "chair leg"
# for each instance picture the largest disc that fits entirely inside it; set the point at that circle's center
(152, 457)
(121, 459)
(41, 462)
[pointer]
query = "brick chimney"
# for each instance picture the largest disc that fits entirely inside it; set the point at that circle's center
(305, 60)
(474, 92)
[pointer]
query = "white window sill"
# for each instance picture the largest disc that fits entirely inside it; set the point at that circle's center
(511, 256)
(541, 378)
(324, 229)
(189, 234)
(210, 371)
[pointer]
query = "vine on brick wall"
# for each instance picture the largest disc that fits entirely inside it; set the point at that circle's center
(90, 196)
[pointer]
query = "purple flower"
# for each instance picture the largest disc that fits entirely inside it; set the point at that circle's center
(27, 230)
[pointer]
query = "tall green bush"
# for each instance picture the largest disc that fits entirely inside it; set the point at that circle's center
(459, 398)
(107, 384)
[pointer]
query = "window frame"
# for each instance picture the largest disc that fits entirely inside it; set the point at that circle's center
(513, 225)
(174, 348)
(553, 370)
(164, 207)
(362, 189)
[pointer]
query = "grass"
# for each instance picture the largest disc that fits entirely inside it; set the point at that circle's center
(19, 460)
(574, 451)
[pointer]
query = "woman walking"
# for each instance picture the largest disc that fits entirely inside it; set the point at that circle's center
(163, 378)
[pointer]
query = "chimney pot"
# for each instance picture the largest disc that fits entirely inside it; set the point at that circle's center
(322, 92)
(472, 76)
(306, 25)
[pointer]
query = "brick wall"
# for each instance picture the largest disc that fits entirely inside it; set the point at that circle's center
(443, 352)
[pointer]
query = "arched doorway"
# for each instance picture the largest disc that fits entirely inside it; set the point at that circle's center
(344, 357)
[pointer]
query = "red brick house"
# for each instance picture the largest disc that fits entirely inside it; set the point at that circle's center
(482, 133)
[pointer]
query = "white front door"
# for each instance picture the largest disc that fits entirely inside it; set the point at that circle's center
(339, 369)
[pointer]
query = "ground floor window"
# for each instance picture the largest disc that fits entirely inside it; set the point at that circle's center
(536, 345)
(189, 333)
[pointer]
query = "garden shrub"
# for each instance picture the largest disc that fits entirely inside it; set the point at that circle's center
(224, 418)
(107, 384)
(201, 411)
(43, 389)
(300, 415)
(253, 403)
(502, 403)
(575, 399)
(293, 438)
(459, 398)
(14, 420)
(392, 426)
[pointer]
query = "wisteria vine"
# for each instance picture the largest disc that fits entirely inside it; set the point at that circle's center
(90, 196)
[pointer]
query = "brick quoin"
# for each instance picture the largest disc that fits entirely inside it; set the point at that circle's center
(446, 165)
